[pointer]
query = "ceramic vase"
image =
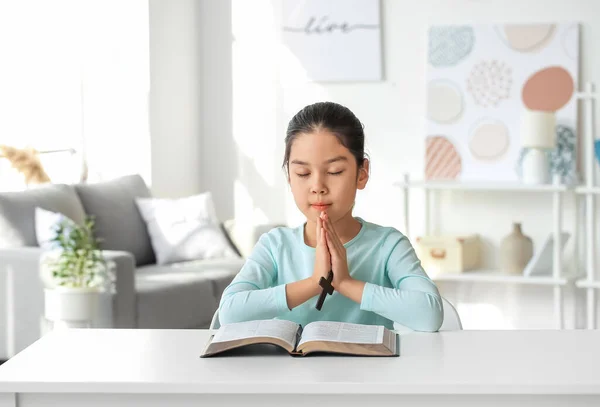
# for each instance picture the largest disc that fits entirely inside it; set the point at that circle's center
(516, 250)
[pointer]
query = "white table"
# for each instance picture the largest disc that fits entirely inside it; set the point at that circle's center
(161, 367)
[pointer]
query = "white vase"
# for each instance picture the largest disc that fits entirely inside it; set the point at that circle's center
(70, 306)
(535, 168)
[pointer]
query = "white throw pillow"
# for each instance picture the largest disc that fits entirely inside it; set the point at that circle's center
(46, 223)
(184, 229)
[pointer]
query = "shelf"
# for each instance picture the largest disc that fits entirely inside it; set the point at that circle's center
(586, 190)
(493, 276)
(482, 186)
(587, 284)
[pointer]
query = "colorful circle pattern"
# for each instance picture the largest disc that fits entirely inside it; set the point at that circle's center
(448, 45)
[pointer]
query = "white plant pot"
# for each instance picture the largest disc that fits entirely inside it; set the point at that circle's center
(75, 305)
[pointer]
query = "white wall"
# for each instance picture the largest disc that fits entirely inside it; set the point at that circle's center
(191, 100)
(393, 112)
(218, 166)
(265, 97)
(175, 97)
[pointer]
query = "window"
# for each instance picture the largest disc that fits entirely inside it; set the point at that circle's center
(75, 75)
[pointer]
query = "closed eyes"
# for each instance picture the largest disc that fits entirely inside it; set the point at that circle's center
(330, 173)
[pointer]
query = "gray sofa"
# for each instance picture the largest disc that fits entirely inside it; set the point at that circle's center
(147, 295)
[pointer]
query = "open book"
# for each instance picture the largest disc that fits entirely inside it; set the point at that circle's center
(320, 336)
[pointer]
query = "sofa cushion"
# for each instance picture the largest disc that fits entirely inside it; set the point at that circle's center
(182, 295)
(184, 229)
(17, 212)
(118, 221)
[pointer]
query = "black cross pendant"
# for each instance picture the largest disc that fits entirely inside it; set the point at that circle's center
(327, 289)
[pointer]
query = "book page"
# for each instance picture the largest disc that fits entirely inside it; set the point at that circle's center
(342, 332)
(270, 328)
(391, 341)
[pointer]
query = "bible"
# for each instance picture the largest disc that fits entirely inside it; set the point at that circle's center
(316, 337)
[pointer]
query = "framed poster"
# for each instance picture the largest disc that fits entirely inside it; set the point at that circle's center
(334, 40)
(480, 79)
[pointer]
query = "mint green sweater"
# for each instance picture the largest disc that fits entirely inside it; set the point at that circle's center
(397, 288)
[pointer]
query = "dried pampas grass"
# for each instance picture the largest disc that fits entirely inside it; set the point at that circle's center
(27, 162)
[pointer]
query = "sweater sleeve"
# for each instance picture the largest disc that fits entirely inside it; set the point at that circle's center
(414, 301)
(252, 294)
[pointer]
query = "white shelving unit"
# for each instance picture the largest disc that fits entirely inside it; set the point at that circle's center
(495, 276)
(558, 279)
(589, 284)
(480, 186)
(589, 192)
(586, 190)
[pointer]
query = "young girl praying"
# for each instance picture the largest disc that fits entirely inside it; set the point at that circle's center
(377, 277)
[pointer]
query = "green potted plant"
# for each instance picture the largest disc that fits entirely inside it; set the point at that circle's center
(75, 272)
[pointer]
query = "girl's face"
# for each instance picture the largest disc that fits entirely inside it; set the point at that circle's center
(323, 175)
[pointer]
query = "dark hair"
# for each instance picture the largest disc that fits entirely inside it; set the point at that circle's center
(331, 116)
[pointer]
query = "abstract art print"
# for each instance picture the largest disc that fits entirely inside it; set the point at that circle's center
(333, 40)
(480, 78)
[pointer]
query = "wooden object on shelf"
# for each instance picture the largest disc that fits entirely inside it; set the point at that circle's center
(448, 254)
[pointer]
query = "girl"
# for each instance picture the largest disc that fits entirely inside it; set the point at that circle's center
(377, 277)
